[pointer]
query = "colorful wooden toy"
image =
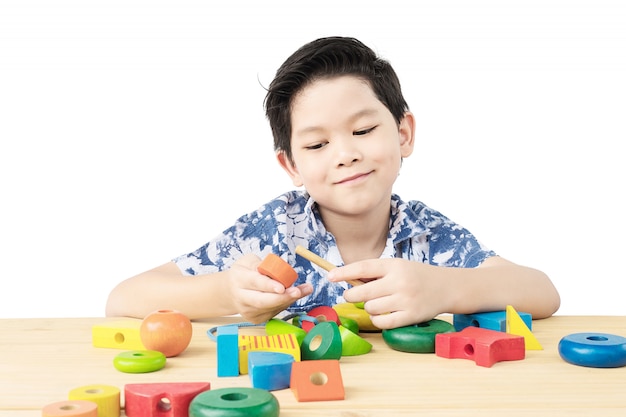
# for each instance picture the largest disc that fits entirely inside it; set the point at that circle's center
(276, 268)
(139, 361)
(317, 380)
(72, 408)
(235, 402)
(106, 397)
(171, 399)
(321, 313)
(322, 342)
(285, 343)
(277, 326)
(417, 338)
(270, 370)
(484, 346)
(493, 320)
(515, 325)
(227, 351)
(352, 344)
(594, 350)
(168, 331)
(349, 324)
(321, 262)
(119, 334)
(351, 311)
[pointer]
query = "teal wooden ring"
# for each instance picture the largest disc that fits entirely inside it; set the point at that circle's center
(234, 402)
(594, 350)
(417, 338)
(139, 361)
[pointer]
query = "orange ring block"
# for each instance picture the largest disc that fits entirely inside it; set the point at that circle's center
(75, 408)
(276, 268)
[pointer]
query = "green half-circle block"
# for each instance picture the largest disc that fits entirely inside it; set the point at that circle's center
(139, 361)
(234, 402)
(277, 326)
(352, 344)
(417, 338)
(349, 324)
(323, 341)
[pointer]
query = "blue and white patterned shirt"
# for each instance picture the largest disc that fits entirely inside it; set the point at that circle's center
(416, 232)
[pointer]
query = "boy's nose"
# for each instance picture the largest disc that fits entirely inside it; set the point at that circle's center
(347, 152)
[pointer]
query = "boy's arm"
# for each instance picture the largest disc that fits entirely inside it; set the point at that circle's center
(164, 287)
(497, 283)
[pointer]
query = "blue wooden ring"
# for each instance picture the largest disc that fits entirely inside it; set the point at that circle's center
(139, 361)
(594, 350)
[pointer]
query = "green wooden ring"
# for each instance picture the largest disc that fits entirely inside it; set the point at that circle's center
(322, 342)
(234, 402)
(139, 361)
(417, 338)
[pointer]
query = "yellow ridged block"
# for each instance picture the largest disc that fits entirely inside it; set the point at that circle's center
(121, 334)
(106, 397)
(282, 343)
(516, 326)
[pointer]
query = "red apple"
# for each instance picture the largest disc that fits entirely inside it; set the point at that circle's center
(166, 331)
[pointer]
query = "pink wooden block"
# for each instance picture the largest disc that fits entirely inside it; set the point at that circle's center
(483, 346)
(161, 399)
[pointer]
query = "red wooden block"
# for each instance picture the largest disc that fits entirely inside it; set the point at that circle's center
(161, 399)
(321, 313)
(484, 346)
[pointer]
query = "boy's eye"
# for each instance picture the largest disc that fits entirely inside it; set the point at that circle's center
(316, 146)
(364, 131)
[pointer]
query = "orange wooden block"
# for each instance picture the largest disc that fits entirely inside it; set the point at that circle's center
(75, 408)
(317, 380)
(276, 268)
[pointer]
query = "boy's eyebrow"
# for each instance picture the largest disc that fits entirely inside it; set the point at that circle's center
(350, 119)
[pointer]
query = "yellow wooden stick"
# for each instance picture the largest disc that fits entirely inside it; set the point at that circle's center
(321, 262)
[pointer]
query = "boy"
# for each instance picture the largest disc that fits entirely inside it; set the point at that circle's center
(341, 130)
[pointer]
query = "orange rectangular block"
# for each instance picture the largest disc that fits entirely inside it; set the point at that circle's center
(317, 380)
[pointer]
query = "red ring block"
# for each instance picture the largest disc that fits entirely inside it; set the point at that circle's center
(483, 346)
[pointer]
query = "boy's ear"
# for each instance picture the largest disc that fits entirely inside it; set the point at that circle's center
(289, 168)
(406, 132)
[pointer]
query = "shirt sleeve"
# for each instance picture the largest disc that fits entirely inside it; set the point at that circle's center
(450, 244)
(255, 233)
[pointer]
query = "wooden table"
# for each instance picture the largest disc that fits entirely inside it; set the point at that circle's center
(41, 360)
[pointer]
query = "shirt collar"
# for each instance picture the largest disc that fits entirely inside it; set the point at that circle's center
(403, 221)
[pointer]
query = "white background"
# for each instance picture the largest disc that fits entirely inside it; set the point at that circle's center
(133, 131)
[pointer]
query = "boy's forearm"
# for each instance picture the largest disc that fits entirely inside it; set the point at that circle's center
(164, 287)
(499, 283)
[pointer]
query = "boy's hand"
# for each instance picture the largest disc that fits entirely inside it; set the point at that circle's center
(257, 297)
(399, 292)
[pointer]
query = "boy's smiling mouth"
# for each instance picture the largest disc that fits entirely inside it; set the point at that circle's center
(354, 178)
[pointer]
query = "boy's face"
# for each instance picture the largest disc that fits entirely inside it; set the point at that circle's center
(346, 146)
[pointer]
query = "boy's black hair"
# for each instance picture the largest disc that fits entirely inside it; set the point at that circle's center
(327, 58)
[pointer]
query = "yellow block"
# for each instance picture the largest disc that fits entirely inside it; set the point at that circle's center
(515, 325)
(121, 334)
(283, 343)
(105, 396)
